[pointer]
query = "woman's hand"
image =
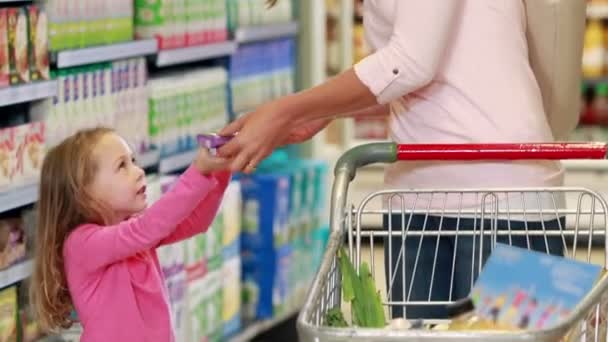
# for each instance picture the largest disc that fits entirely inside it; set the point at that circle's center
(259, 133)
(206, 163)
(306, 131)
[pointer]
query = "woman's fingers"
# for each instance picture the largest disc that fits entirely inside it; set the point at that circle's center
(234, 127)
(240, 161)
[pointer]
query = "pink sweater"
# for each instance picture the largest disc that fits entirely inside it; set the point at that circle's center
(113, 272)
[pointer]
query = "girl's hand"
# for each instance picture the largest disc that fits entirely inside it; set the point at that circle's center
(207, 163)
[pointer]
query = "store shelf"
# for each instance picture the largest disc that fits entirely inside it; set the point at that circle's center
(597, 11)
(260, 327)
(195, 53)
(177, 162)
(18, 197)
(106, 53)
(27, 92)
(265, 32)
(16, 273)
(148, 159)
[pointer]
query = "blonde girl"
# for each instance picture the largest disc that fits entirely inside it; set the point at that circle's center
(97, 239)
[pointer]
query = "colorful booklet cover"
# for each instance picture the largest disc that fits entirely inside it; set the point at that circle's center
(530, 290)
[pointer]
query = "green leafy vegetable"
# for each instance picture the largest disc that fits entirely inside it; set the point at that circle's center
(360, 291)
(335, 318)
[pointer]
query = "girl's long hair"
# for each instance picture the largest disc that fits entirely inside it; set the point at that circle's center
(63, 205)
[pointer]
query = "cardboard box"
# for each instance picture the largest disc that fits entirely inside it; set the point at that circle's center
(231, 293)
(38, 44)
(265, 210)
(8, 314)
(18, 45)
(204, 298)
(7, 153)
(231, 209)
(4, 57)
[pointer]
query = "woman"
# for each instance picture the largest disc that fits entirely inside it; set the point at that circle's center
(450, 72)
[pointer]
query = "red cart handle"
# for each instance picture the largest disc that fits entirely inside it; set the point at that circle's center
(464, 152)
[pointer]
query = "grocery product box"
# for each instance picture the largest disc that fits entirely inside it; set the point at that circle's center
(18, 45)
(265, 210)
(176, 289)
(4, 56)
(195, 25)
(38, 43)
(231, 293)
(205, 301)
(8, 314)
(28, 152)
(153, 19)
(7, 159)
(231, 210)
(13, 246)
(523, 289)
(180, 22)
(266, 282)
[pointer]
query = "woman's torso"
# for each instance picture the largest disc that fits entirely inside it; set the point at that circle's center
(484, 91)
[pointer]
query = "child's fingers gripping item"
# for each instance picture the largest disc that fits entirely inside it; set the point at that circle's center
(206, 162)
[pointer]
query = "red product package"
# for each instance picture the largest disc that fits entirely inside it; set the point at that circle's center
(18, 46)
(38, 43)
(4, 61)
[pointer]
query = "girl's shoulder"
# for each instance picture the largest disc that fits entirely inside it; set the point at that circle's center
(76, 238)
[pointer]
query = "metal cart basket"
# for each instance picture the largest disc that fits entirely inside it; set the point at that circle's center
(569, 221)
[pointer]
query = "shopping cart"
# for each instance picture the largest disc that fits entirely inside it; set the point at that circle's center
(581, 216)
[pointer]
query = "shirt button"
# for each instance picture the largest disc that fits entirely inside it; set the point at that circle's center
(395, 71)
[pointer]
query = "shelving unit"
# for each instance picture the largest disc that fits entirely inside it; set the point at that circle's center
(18, 197)
(16, 273)
(148, 159)
(27, 92)
(265, 32)
(105, 53)
(15, 198)
(195, 53)
(176, 163)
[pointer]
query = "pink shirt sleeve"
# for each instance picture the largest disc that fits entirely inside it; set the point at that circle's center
(410, 60)
(97, 246)
(203, 215)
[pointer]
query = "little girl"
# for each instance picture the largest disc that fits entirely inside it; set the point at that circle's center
(96, 240)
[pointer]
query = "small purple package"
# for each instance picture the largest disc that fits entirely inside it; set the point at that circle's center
(212, 141)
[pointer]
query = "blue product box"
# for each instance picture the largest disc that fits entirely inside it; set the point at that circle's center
(265, 210)
(266, 283)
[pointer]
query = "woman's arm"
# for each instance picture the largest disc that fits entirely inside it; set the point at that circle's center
(409, 61)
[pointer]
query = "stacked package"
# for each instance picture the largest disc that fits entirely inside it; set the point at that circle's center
(183, 105)
(180, 23)
(283, 222)
(256, 12)
(24, 48)
(22, 150)
(203, 274)
(261, 72)
(82, 23)
(110, 94)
